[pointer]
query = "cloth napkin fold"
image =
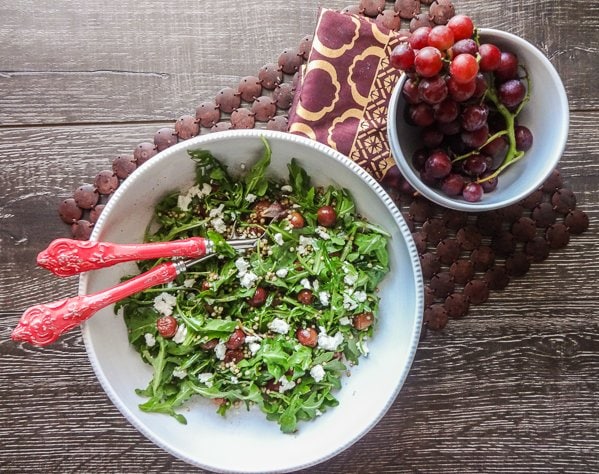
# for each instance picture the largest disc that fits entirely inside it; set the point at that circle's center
(344, 90)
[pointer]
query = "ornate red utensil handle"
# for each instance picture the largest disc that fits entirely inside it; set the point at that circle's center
(67, 257)
(45, 323)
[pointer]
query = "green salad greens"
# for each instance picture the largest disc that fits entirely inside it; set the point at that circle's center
(277, 326)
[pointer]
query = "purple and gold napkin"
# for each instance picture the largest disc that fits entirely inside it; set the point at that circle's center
(344, 91)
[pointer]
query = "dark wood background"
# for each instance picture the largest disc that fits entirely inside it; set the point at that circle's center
(513, 387)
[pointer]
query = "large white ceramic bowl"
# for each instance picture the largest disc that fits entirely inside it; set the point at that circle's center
(245, 441)
(546, 115)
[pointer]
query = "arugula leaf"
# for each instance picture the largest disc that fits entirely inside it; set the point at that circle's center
(255, 181)
(221, 246)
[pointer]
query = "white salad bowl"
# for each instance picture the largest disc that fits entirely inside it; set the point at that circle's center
(244, 441)
(546, 115)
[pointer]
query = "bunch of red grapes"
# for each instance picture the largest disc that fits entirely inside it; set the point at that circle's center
(465, 96)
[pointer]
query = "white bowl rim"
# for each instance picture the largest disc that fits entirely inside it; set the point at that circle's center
(436, 195)
(197, 142)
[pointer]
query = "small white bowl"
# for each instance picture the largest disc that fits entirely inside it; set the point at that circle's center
(546, 115)
(245, 441)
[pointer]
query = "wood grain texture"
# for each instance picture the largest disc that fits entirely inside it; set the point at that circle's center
(512, 387)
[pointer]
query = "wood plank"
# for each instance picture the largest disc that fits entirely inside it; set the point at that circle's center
(118, 63)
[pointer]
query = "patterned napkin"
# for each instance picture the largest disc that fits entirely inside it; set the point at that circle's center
(344, 90)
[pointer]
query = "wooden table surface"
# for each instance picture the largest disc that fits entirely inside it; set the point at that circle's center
(513, 387)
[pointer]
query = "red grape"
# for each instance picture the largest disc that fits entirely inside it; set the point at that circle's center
(460, 92)
(462, 26)
(433, 90)
(419, 158)
(438, 164)
(465, 46)
(477, 138)
(474, 117)
(419, 38)
(508, 67)
(441, 37)
(402, 57)
(453, 184)
(472, 192)
(481, 86)
(523, 138)
(446, 111)
(463, 68)
(474, 165)
(490, 57)
(431, 137)
(449, 128)
(428, 62)
(511, 93)
(410, 91)
(421, 115)
(489, 185)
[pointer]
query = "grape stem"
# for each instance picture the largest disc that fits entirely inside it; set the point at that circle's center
(513, 155)
(477, 150)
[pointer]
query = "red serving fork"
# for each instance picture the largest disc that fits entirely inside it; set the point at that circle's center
(45, 323)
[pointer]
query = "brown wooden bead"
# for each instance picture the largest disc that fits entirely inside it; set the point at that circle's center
(227, 100)
(242, 118)
(283, 95)
(164, 138)
(537, 249)
(524, 229)
(557, 235)
(430, 264)
(442, 284)
(106, 182)
(249, 88)
(420, 241)
(352, 9)
(503, 243)
(511, 213)
(221, 127)
(371, 8)
(270, 76)
(435, 317)
(477, 291)
(435, 230)
(82, 229)
(278, 122)
(143, 152)
(532, 200)
(544, 215)
(454, 219)
(517, 264)
(124, 165)
(305, 46)
(554, 182)
(497, 278)
(563, 201)
(86, 196)
(420, 210)
(448, 251)
(69, 211)
(441, 11)
(461, 271)
(264, 108)
(290, 61)
(94, 213)
(186, 127)
(422, 19)
(208, 114)
(407, 9)
(456, 305)
(482, 258)
(577, 221)
(489, 223)
(468, 237)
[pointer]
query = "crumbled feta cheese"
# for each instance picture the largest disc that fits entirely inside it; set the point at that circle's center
(316, 285)
(184, 200)
(282, 272)
(322, 233)
(359, 296)
(317, 373)
(305, 244)
(248, 279)
(164, 303)
(348, 301)
(329, 343)
(285, 384)
(278, 238)
(324, 297)
(217, 211)
(306, 283)
(279, 325)
(242, 265)
(181, 334)
(318, 412)
(219, 350)
(179, 373)
(344, 321)
(250, 197)
(150, 339)
(219, 225)
(286, 188)
(363, 347)
(251, 338)
(188, 282)
(234, 379)
(206, 378)
(253, 347)
(350, 279)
